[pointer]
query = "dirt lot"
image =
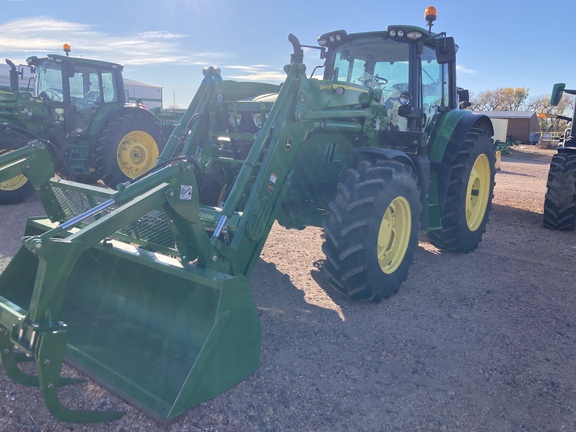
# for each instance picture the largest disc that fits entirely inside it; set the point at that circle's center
(476, 342)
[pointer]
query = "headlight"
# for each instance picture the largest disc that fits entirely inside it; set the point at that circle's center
(234, 119)
(414, 35)
(257, 117)
(405, 99)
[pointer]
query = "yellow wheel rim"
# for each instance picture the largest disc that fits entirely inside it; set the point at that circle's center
(14, 182)
(394, 235)
(478, 192)
(137, 153)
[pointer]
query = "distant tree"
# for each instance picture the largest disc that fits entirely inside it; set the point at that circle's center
(516, 99)
(565, 108)
(502, 99)
(538, 103)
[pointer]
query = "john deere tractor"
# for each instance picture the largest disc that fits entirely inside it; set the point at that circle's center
(146, 288)
(78, 107)
(560, 199)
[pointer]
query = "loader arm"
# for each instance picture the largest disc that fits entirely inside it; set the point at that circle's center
(270, 161)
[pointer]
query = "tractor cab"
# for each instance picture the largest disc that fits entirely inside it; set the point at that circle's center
(75, 88)
(402, 65)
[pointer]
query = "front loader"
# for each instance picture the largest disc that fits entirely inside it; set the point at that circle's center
(560, 199)
(146, 288)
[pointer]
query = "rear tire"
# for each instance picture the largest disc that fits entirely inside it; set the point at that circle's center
(560, 199)
(371, 233)
(470, 194)
(128, 147)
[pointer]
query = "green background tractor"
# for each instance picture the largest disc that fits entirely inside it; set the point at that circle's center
(560, 199)
(146, 288)
(79, 106)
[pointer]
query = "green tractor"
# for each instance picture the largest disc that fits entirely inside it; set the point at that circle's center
(560, 199)
(146, 288)
(78, 106)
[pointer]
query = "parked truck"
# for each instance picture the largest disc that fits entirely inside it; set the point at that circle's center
(78, 107)
(146, 288)
(560, 199)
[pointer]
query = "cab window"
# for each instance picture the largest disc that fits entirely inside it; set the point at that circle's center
(376, 63)
(435, 92)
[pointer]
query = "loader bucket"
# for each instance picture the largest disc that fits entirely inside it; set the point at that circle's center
(164, 335)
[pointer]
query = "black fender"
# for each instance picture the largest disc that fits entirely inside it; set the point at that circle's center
(462, 128)
(108, 111)
(419, 163)
(131, 109)
(443, 153)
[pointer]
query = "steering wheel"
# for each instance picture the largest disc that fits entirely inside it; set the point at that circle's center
(374, 79)
(92, 96)
(379, 80)
(57, 93)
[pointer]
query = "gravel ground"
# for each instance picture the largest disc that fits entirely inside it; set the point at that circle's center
(476, 342)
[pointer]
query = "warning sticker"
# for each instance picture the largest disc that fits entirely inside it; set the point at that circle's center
(271, 183)
(186, 192)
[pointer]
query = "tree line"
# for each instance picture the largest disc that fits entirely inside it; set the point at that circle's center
(517, 99)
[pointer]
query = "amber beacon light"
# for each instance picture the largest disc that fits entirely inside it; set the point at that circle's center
(430, 15)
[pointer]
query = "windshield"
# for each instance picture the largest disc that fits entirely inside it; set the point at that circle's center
(86, 82)
(372, 60)
(375, 62)
(49, 80)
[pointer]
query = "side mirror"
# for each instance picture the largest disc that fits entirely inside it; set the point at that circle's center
(464, 98)
(68, 69)
(445, 50)
(557, 91)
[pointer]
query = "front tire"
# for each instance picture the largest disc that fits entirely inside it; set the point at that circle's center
(371, 233)
(470, 193)
(128, 147)
(560, 199)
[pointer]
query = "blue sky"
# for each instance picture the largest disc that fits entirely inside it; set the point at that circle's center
(506, 43)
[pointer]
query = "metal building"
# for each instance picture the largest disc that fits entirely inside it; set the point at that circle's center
(523, 126)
